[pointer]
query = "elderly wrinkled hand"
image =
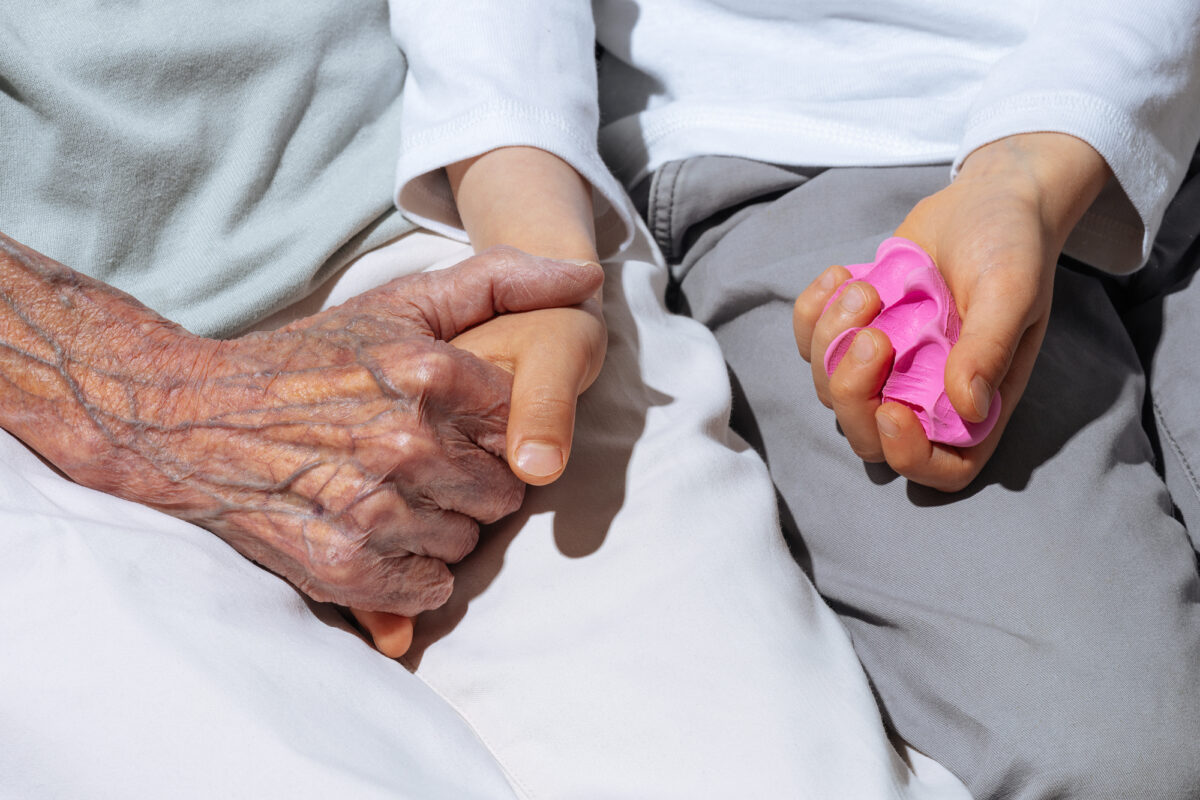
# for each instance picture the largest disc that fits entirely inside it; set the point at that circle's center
(351, 452)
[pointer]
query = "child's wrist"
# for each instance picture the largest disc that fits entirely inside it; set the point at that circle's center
(528, 199)
(1061, 175)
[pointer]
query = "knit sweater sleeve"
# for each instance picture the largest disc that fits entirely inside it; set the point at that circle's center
(483, 75)
(1124, 77)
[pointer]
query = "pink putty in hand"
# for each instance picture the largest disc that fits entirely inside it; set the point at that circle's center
(921, 320)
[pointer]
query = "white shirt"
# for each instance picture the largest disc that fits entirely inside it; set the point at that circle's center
(819, 83)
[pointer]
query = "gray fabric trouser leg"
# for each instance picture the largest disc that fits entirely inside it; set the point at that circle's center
(1039, 632)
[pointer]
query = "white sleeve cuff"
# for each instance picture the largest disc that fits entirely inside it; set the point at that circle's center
(1116, 233)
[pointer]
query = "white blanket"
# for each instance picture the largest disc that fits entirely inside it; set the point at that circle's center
(637, 630)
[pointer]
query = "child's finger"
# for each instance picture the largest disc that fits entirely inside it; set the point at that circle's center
(854, 389)
(542, 417)
(911, 454)
(554, 354)
(857, 306)
(811, 302)
(392, 634)
(549, 375)
(997, 320)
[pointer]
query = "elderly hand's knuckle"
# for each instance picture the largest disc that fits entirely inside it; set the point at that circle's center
(465, 538)
(412, 452)
(420, 584)
(343, 564)
(332, 571)
(435, 595)
(435, 368)
(500, 259)
(510, 499)
(499, 498)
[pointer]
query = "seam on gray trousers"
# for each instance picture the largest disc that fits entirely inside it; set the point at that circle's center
(1175, 448)
(662, 207)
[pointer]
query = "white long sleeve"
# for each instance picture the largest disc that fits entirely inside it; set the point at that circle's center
(896, 82)
(1124, 77)
(482, 75)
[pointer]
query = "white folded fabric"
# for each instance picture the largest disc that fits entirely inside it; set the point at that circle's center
(637, 630)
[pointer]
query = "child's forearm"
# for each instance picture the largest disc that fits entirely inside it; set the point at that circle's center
(527, 198)
(1062, 174)
(534, 201)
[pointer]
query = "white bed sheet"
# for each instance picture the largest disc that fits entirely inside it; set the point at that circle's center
(637, 630)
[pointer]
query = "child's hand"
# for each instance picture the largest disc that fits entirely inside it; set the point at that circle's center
(391, 634)
(553, 354)
(995, 234)
(532, 200)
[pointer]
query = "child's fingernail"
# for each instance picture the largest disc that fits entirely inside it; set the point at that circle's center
(981, 396)
(853, 299)
(863, 349)
(539, 458)
(828, 279)
(887, 425)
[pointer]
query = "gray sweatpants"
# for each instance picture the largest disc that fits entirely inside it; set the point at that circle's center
(1039, 632)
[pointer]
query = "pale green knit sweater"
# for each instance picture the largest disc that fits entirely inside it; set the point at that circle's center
(216, 160)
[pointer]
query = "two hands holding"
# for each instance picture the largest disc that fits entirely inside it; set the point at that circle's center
(354, 452)
(995, 234)
(553, 352)
(542, 340)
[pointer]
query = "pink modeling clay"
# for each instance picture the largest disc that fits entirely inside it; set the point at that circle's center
(921, 320)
